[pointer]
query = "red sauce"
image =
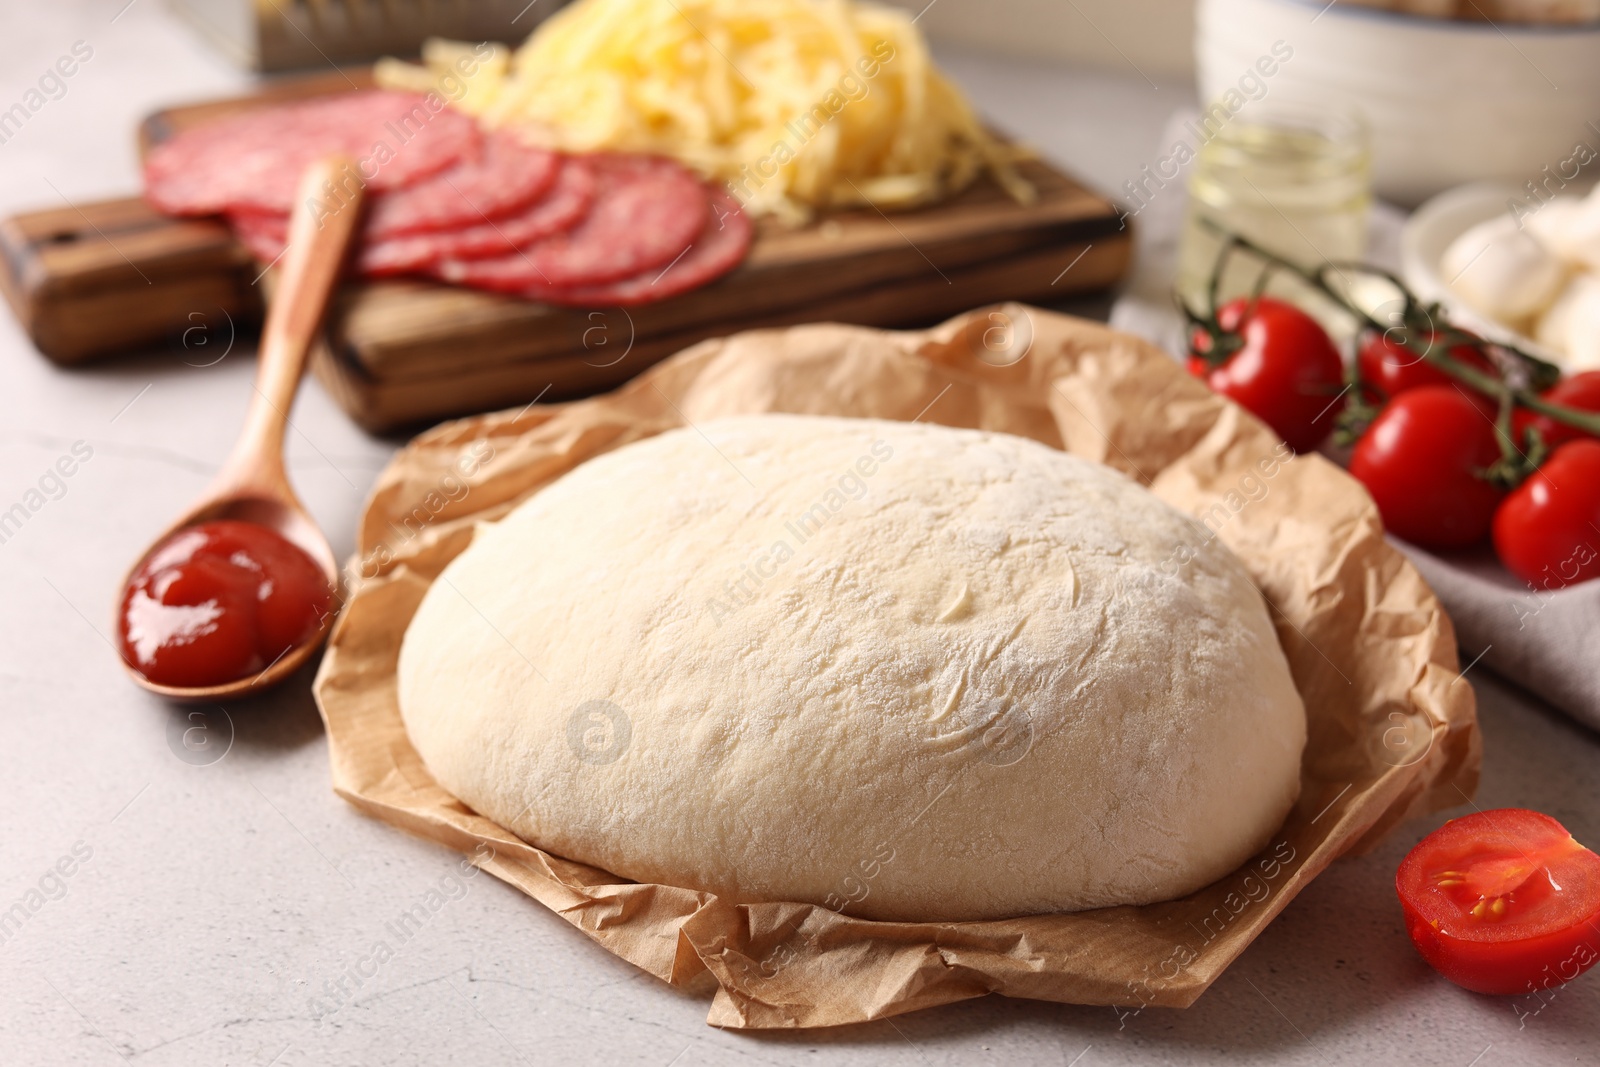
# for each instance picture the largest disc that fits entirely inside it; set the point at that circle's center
(218, 601)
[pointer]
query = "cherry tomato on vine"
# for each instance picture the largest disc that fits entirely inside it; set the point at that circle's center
(1392, 368)
(1422, 460)
(1287, 372)
(1547, 532)
(1503, 902)
(1581, 391)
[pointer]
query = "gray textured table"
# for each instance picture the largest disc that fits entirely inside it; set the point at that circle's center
(209, 904)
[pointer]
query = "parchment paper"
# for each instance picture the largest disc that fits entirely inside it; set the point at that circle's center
(1392, 724)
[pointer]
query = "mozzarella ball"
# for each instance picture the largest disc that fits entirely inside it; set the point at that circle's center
(1502, 271)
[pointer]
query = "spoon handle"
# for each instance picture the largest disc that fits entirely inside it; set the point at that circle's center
(325, 216)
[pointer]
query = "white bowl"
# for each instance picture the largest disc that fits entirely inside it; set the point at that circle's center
(1431, 230)
(1448, 101)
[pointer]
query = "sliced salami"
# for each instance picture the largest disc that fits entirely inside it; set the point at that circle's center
(647, 211)
(254, 161)
(506, 177)
(562, 207)
(720, 247)
(263, 235)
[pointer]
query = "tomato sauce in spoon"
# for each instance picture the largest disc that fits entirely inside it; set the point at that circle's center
(218, 601)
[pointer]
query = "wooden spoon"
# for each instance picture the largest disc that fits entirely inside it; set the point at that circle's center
(253, 485)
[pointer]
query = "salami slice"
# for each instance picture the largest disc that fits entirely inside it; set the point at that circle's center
(720, 247)
(562, 207)
(647, 211)
(506, 177)
(263, 235)
(254, 161)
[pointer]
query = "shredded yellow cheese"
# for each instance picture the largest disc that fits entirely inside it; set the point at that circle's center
(794, 104)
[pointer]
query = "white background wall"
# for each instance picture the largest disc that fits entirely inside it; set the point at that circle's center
(1148, 37)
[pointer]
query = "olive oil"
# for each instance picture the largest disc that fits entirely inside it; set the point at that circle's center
(1297, 183)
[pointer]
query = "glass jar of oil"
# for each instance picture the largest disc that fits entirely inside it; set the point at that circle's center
(1297, 181)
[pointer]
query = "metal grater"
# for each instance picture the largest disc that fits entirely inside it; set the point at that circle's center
(271, 35)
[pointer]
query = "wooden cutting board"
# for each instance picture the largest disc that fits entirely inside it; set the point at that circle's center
(93, 279)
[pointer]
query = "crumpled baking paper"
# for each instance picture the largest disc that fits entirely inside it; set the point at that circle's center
(1393, 729)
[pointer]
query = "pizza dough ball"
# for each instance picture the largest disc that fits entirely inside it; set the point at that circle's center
(904, 671)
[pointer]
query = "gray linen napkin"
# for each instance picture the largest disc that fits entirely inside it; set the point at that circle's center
(1547, 641)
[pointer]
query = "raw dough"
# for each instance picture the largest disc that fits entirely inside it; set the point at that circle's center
(905, 671)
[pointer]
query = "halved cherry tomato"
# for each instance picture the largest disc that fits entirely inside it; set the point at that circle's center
(1503, 902)
(1392, 368)
(1422, 459)
(1547, 532)
(1287, 372)
(1581, 391)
